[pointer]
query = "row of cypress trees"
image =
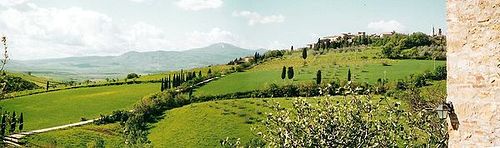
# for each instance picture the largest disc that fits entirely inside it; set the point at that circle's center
(12, 122)
(177, 79)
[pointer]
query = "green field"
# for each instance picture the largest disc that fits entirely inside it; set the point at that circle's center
(85, 136)
(69, 106)
(334, 65)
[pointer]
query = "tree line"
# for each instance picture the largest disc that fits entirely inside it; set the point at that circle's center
(177, 79)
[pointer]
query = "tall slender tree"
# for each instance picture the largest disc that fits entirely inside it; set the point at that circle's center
(291, 48)
(13, 123)
(21, 122)
(283, 73)
(162, 84)
(318, 77)
(349, 75)
(199, 74)
(304, 53)
(3, 126)
(47, 86)
(290, 73)
(209, 71)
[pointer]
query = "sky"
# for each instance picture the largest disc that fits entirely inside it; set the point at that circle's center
(40, 29)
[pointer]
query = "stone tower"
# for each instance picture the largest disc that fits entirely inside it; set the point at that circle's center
(473, 62)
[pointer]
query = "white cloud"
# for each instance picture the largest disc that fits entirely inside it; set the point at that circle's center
(386, 26)
(9, 3)
(215, 35)
(276, 45)
(256, 18)
(137, 1)
(195, 5)
(51, 32)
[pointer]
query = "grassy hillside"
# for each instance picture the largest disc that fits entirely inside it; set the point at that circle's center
(205, 124)
(365, 67)
(40, 81)
(69, 106)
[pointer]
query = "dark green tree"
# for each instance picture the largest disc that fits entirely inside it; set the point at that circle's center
(283, 73)
(304, 53)
(291, 48)
(4, 125)
(199, 74)
(209, 71)
(349, 74)
(162, 84)
(47, 86)
(21, 122)
(318, 77)
(13, 123)
(132, 76)
(290, 73)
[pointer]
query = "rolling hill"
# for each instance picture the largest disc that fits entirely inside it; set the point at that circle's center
(97, 67)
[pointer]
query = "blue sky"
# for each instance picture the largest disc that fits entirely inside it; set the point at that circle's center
(40, 29)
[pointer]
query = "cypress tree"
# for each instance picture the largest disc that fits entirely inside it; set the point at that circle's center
(13, 123)
(291, 48)
(304, 53)
(283, 73)
(349, 75)
(176, 80)
(162, 85)
(3, 126)
(199, 74)
(318, 77)
(256, 57)
(209, 71)
(47, 87)
(168, 82)
(290, 72)
(21, 122)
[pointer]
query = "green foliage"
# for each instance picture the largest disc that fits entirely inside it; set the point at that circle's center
(14, 83)
(351, 123)
(440, 73)
(132, 76)
(415, 46)
(274, 54)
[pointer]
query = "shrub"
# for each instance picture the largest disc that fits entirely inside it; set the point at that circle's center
(351, 123)
(440, 73)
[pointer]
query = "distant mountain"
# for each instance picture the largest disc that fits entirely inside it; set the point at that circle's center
(94, 67)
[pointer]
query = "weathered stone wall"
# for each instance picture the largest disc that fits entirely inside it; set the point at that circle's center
(473, 59)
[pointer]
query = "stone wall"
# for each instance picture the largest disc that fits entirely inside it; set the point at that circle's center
(473, 62)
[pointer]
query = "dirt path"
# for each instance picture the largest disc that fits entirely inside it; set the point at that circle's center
(14, 138)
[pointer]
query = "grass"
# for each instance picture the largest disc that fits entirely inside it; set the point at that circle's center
(205, 124)
(85, 136)
(69, 106)
(364, 66)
